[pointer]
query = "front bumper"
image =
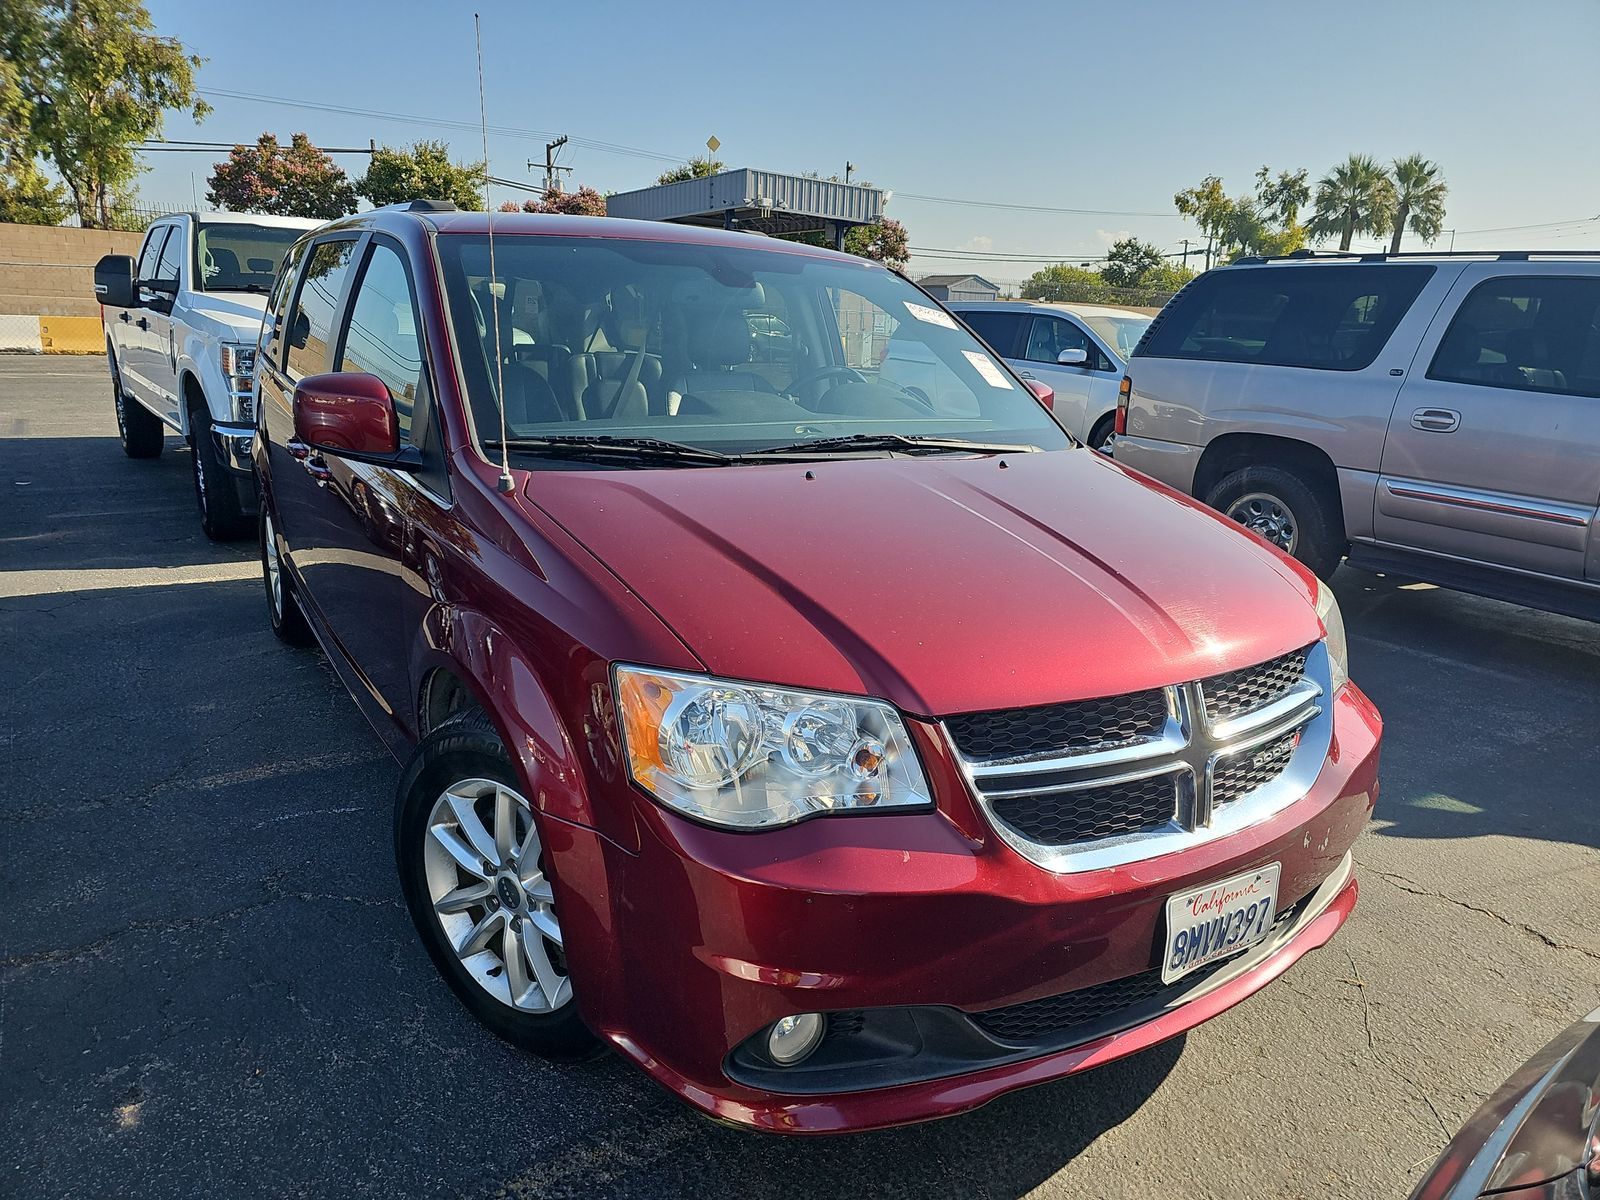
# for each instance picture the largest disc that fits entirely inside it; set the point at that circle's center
(234, 442)
(683, 952)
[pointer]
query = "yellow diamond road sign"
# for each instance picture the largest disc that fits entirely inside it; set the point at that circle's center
(712, 144)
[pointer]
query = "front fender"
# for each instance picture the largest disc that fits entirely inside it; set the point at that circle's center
(559, 766)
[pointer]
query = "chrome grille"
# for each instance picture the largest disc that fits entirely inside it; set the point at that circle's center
(1109, 809)
(1085, 725)
(1244, 691)
(1096, 783)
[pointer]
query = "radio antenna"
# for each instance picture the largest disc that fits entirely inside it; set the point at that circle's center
(505, 484)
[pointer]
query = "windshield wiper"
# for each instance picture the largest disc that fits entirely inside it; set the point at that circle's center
(605, 445)
(259, 289)
(904, 442)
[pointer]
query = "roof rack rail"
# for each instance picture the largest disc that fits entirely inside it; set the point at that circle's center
(419, 206)
(1252, 260)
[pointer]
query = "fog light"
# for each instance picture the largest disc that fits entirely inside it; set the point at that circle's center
(792, 1038)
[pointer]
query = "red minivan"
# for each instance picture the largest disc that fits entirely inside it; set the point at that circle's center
(841, 754)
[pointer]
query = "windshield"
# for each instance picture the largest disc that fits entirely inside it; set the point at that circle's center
(1122, 334)
(230, 256)
(733, 350)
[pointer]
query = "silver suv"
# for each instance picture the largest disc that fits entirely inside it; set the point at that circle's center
(1436, 416)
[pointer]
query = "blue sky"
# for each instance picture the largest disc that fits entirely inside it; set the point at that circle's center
(1108, 106)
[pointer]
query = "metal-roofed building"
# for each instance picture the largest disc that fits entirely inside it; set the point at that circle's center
(952, 288)
(760, 200)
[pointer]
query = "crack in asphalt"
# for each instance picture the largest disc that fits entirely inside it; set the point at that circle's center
(1411, 1085)
(276, 895)
(1416, 889)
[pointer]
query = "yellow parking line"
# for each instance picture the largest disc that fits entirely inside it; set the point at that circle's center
(17, 584)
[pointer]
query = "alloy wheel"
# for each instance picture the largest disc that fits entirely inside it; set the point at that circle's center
(269, 556)
(487, 885)
(1268, 516)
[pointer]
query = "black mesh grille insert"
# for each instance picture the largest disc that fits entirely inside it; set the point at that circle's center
(1239, 692)
(1240, 774)
(1060, 818)
(1074, 728)
(1052, 1016)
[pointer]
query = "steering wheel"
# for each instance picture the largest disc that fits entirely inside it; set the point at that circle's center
(821, 373)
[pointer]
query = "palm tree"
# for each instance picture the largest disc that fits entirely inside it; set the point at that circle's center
(1357, 196)
(1419, 192)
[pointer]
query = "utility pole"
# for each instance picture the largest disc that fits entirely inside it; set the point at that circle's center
(552, 173)
(849, 168)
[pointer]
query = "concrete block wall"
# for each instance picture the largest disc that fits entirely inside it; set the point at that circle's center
(47, 286)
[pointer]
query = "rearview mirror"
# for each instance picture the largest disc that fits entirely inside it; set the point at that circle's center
(1072, 358)
(114, 282)
(1043, 392)
(351, 414)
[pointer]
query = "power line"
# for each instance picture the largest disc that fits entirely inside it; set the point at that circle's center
(1080, 212)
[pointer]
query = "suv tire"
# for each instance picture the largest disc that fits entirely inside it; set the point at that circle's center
(283, 606)
(140, 430)
(463, 836)
(1297, 517)
(214, 494)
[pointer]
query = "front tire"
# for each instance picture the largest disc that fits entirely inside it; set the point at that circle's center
(476, 882)
(140, 430)
(221, 515)
(1299, 518)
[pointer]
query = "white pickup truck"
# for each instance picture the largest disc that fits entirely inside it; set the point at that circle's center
(182, 320)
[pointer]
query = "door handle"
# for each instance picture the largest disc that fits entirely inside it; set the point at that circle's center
(125, 317)
(297, 449)
(1436, 420)
(144, 323)
(317, 467)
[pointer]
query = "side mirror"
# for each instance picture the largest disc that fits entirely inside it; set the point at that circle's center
(114, 282)
(1073, 358)
(351, 414)
(161, 287)
(1043, 392)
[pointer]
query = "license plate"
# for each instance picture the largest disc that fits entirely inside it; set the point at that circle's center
(1218, 920)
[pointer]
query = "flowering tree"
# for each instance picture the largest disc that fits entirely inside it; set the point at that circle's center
(297, 180)
(585, 202)
(886, 242)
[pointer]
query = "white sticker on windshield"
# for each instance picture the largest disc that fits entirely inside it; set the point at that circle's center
(992, 374)
(933, 316)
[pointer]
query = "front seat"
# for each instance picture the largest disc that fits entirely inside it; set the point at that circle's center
(717, 348)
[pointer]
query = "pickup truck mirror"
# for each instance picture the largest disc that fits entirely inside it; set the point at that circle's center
(1072, 358)
(351, 414)
(161, 287)
(114, 281)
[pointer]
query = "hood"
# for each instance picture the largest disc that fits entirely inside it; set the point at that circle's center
(944, 585)
(237, 315)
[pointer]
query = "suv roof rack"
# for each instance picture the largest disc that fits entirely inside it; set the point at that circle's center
(1252, 260)
(420, 206)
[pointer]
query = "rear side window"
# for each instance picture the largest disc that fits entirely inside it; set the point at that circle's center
(1331, 318)
(382, 336)
(1533, 333)
(311, 328)
(997, 329)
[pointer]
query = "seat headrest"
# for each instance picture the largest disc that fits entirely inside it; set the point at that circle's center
(721, 342)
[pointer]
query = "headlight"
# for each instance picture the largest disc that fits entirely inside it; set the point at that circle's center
(753, 757)
(1333, 623)
(238, 360)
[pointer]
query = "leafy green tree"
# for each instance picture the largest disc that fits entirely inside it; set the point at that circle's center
(1355, 197)
(1168, 277)
(1064, 282)
(695, 168)
(424, 171)
(297, 180)
(1207, 204)
(85, 81)
(1280, 197)
(1129, 262)
(1419, 192)
(28, 197)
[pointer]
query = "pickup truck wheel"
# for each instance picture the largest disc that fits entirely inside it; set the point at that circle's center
(283, 607)
(1283, 508)
(141, 431)
(214, 493)
(475, 878)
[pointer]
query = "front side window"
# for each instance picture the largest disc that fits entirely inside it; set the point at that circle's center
(381, 336)
(171, 256)
(1051, 335)
(234, 256)
(151, 254)
(1529, 332)
(310, 329)
(722, 348)
(1333, 317)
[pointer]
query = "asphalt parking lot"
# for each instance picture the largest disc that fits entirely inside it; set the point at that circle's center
(208, 984)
